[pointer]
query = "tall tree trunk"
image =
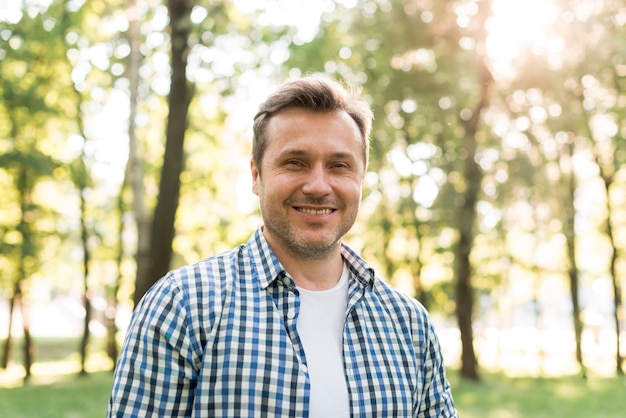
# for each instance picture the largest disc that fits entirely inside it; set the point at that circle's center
(135, 166)
(463, 272)
(608, 168)
(84, 342)
(26, 204)
(113, 289)
(8, 343)
(387, 227)
(163, 222)
(466, 216)
(416, 266)
(617, 288)
(417, 262)
(618, 304)
(617, 293)
(570, 234)
(27, 349)
(81, 180)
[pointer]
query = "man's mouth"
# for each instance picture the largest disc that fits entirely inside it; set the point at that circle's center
(315, 211)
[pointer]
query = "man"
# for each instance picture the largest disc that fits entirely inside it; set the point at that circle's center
(293, 323)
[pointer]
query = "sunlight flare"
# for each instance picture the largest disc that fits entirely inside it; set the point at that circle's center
(516, 24)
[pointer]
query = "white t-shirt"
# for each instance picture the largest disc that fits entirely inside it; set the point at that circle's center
(321, 322)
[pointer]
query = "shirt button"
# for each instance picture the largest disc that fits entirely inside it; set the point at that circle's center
(291, 314)
(287, 282)
(303, 368)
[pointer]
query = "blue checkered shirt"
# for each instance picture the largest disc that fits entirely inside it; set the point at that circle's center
(218, 339)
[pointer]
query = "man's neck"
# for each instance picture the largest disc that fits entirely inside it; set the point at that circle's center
(312, 273)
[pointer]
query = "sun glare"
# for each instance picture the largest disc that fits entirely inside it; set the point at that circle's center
(515, 24)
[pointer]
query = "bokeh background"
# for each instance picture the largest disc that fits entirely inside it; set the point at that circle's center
(496, 192)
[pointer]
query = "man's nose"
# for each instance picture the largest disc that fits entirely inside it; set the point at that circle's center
(318, 181)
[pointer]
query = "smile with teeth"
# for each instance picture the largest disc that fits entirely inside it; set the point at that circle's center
(315, 211)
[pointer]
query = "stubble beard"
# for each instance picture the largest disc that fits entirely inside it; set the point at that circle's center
(300, 244)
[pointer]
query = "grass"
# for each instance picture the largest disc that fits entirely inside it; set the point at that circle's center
(496, 396)
(56, 390)
(516, 397)
(71, 396)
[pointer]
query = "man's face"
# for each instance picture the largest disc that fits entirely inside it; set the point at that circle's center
(309, 182)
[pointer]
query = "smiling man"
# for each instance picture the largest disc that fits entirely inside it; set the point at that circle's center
(309, 185)
(293, 323)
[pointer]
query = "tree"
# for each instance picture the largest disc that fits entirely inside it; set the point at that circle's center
(28, 73)
(467, 211)
(180, 95)
(608, 146)
(28, 169)
(422, 86)
(201, 34)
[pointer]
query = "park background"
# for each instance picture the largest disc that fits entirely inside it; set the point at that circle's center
(496, 192)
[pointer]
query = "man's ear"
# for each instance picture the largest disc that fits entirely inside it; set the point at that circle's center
(256, 177)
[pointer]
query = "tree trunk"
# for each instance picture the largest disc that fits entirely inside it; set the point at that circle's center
(608, 168)
(113, 289)
(84, 343)
(135, 168)
(464, 299)
(417, 262)
(466, 215)
(81, 180)
(617, 299)
(163, 222)
(27, 349)
(617, 288)
(570, 234)
(26, 204)
(608, 179)
(8, 343)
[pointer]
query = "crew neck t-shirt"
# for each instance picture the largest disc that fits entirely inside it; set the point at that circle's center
(320, 325)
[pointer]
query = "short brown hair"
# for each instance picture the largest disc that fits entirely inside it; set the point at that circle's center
(316, 92)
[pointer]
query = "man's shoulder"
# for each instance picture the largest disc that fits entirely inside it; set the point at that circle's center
(217, 268)
(199, 289)
(386, 292)
(243, 264)
(397, 296)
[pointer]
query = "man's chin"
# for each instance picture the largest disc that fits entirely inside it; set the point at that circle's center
(316, 245)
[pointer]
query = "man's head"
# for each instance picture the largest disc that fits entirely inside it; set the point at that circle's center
(318, 93)
(309, 161)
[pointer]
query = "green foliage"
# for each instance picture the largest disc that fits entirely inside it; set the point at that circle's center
(33, 77)
(37, 163)
(64, 67)
(420, 83)
(418, 66)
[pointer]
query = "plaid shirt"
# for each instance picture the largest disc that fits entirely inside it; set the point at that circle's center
(218, 339)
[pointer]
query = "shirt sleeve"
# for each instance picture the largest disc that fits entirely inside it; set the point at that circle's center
(155, 373)
(436, 400)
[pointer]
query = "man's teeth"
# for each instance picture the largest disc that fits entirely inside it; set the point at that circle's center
(315, 211)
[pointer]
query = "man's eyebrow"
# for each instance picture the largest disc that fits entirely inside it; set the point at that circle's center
(343, 156)
(298, 152)
(289, 152)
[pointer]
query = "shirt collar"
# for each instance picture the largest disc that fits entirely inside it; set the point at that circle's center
(268, 268)
(358, 267)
